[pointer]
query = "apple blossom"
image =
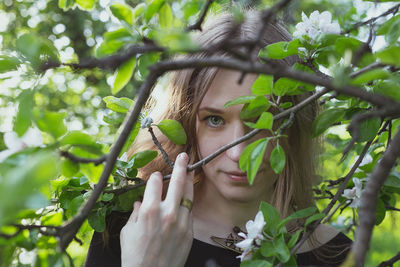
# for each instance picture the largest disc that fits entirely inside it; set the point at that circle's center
(315, 25)
(253, 237)
(31, 138)
(354, 194)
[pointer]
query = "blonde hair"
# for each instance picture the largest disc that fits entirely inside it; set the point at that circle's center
(186, 88)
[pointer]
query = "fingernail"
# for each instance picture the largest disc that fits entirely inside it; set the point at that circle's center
(183, 156)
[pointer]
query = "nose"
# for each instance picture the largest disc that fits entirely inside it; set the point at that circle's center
(234, 152)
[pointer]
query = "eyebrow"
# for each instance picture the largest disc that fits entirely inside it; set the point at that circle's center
(212, 110)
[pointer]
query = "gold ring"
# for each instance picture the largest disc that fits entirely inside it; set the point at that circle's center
(187, 203)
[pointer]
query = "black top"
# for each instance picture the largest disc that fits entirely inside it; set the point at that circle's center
(203, 254)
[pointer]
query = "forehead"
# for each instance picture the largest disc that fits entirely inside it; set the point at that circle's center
(225, 87)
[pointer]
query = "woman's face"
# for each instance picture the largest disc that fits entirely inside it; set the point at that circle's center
(217, 126)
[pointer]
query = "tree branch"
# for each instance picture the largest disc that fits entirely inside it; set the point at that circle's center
(392, 10)
(157, 143)
(197, 25)
(369, 200)
(326, 211)
(391, 261)
(75, 158)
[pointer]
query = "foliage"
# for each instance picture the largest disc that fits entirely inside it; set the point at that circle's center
(80, 112)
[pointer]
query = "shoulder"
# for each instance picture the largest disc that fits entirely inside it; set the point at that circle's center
(322, 235)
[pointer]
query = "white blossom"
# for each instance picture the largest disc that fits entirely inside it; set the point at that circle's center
(145, 123)
(354, 194)
(254, 236)
(31, 138)
(315, 25)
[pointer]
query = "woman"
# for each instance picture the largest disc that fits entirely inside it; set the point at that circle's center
(165, 229)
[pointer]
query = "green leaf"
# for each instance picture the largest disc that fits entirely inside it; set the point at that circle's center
(256, 263)
(124, 74)
(51, 122)
(173, 130)
(19, 184)
(380, 212)
(255, 108)
(153, 8)
(8, 63)
(293, 239)
(69, 168)
(368, 129)
(282, 251)
(314, 218)
(267, 249)
(166, 16)
(347, 43)
(326, 119)
(263, 85)
(97, 220)
(85, 141)
(74, 206)
(122, 12)
(240, 100)
(85, 4)
(390, 88)
(265, 121)
(121, 105)
(139, 11)
(285, 86)
(370, 76)
(277, 159)
(107, 196)
(280, 50)
(143, 63)
(142, 158)
(36, 50)
(271, 215)
(252, 157)
(66, 197)
(384, 28)
(24, 115)
(298, 215)
(175, 40)
(390, 56)
(108, 47)
(121, 34)
(393, 33)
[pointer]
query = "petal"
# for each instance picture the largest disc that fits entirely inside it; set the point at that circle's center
(326, 17)
(242, 235)
(32, 137)
(12, 141)
(304, 17)
(5, 154)
(315, 17)
(245, 244)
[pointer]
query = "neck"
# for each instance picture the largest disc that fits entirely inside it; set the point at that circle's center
(215, 215)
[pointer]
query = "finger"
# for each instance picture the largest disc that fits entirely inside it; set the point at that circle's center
(153, 191)
(178, 180)
(188, 191)
(135, 212)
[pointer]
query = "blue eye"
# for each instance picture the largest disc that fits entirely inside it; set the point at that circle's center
(214, 121)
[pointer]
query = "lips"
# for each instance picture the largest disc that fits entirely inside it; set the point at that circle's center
(237, 176)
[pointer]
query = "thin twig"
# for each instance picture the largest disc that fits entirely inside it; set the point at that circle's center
(157, 143)
(75, 158)
(197, 25)
(391, 261)
(392, 10)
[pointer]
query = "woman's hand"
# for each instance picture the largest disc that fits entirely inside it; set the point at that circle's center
(160, 233)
